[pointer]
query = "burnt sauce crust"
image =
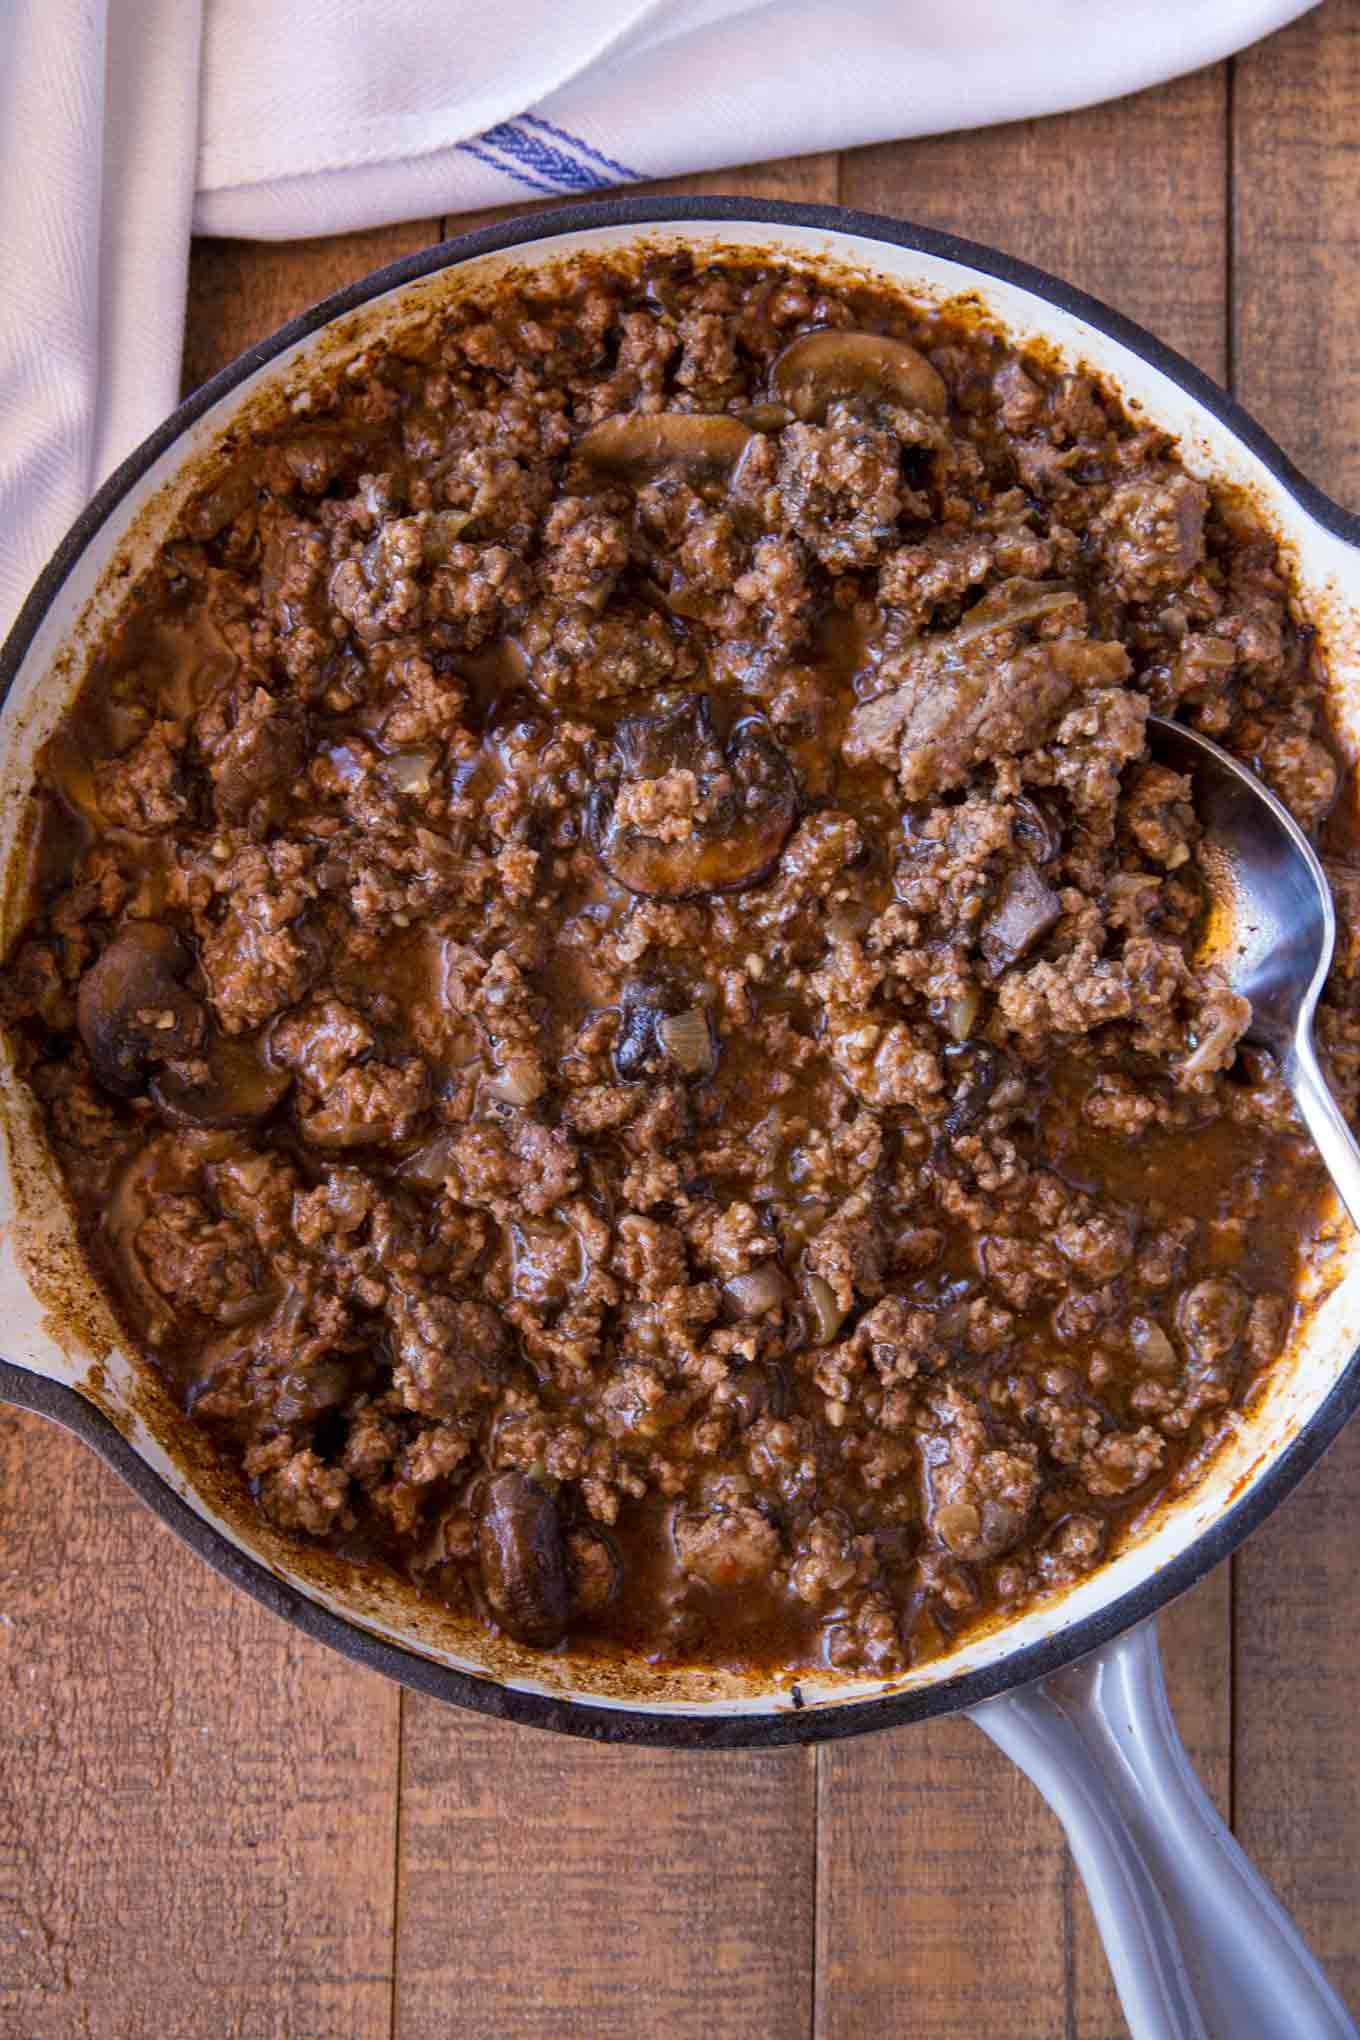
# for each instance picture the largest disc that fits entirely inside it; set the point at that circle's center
(613, 982)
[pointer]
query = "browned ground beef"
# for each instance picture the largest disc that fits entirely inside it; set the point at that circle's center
(613, 981)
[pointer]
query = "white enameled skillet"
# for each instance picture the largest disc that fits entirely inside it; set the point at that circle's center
(1072, 1690)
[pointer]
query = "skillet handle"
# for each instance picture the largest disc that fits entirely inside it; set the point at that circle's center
(1200, 1948)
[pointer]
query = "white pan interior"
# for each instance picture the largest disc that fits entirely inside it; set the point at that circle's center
(55, 1321)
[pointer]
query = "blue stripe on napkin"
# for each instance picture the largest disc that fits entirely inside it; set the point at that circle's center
(609, 162)
(540, 165)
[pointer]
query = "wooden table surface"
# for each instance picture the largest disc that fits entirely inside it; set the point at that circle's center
(211, 1827)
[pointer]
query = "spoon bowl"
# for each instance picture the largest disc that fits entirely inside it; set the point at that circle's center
(1271, 927)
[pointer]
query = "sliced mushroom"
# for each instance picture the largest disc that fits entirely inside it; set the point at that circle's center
(1210, 1317)
(828, 364)
(975, 1069)
(638, 1053)
(524, 1567)
(132, 1009)
(745, 798)
(661, 1034)
(752, 1392)
(975, 1532)
(306, 1393)
(638, 443)
(767, 417)
(228, 1085)
(594, 1571)
(1037, 828)
(1026, 910)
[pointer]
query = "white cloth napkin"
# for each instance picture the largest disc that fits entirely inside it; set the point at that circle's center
(98, 132)
(124, 121)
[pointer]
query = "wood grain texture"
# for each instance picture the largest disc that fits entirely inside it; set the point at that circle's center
(1296, 308)
(815, 180)
(556, 1891)
(1296, 241)
(941, 1892)
(918, 1830)
(197, 1806)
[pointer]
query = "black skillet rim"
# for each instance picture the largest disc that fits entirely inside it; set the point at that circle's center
(628, 1725)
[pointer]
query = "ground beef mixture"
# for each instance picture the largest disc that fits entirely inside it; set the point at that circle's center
(614, 984)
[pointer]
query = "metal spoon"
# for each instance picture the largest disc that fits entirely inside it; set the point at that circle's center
(1272, 927)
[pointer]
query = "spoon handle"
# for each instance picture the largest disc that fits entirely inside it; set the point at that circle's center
(1323, 1117)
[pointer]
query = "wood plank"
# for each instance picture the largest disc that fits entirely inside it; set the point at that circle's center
(549, 1888)
(1296, 1793)
(197, 1806)
(940, 1892)
(1296, 251)
(923, 1832)
(195, 1802)
(1297, 322)
(557, 1891)
(815, 180)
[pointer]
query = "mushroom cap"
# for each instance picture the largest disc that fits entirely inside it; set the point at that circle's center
(1027, 908)
(524, 1567)
(975, 1069)
(746, 800)
(816, 369)
(637, 443)
(662, 1032)
(234, 1088)
(132, 1009)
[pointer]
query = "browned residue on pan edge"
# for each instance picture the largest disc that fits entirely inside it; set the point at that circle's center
(75, 1312)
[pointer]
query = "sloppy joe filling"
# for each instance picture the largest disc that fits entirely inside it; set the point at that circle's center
(615, 987)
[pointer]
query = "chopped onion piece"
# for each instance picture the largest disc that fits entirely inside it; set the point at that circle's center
(1012, 602)
(411, 770)
(431, 1166)
(961, 1013)
(1152, 1345)
(519, 1083)
(1216, 1046)
(687, 1040)
(759, 1291)
(957, 1525)
(827, 1315)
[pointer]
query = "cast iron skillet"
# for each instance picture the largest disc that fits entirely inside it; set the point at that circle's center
(1198, 1945)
